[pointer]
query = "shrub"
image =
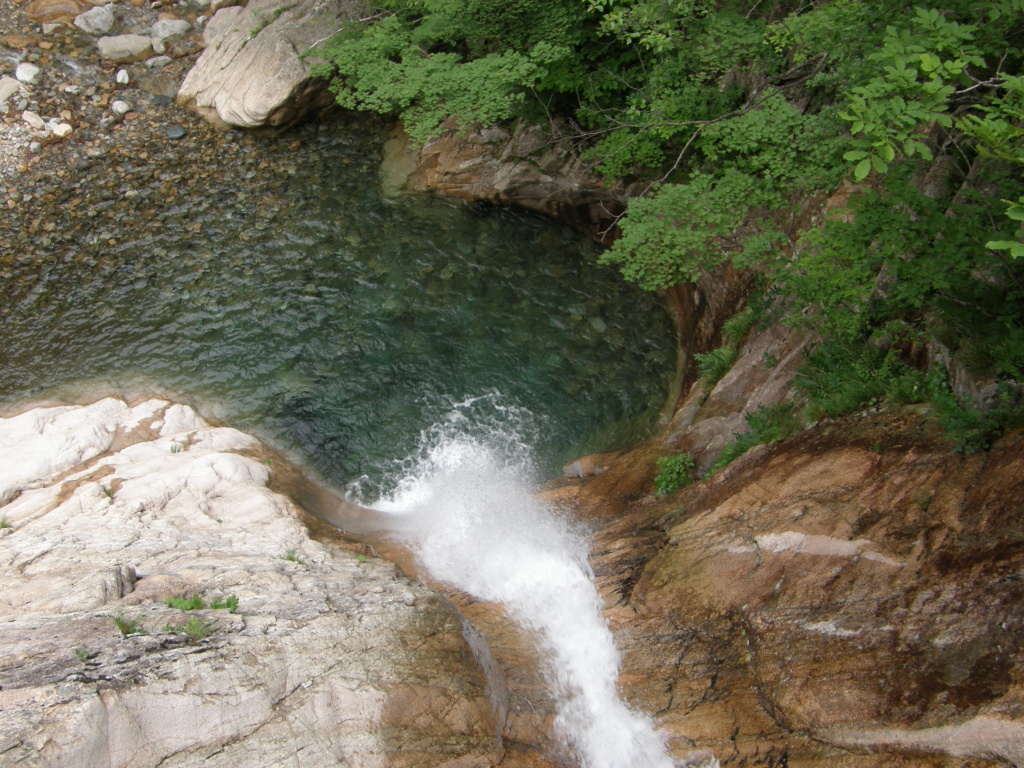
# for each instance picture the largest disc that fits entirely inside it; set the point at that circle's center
(674, 472)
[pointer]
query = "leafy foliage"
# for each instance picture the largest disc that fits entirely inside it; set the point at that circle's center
(674, 473)
(766, 426)
(715, 364)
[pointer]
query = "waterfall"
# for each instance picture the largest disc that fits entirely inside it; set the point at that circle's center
(465, 506)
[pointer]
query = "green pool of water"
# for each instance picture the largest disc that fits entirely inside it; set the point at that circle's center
(297, 304)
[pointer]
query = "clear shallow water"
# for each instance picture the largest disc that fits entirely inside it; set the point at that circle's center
(291, 301)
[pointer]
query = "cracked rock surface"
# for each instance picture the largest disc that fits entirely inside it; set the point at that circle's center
(328, 658)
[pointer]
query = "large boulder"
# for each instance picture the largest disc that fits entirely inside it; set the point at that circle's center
(532, 166)
(251, 74)
(328, 657)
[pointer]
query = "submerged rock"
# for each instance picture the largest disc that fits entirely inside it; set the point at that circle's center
(110, 510)
(250, 74)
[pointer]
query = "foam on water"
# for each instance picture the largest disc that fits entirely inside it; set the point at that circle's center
(465, 505)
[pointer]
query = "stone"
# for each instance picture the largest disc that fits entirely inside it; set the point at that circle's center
(120, 107)
(158, 62)
(34, 120)
(50, 11)
(250, 73)
(330, 658)
(49, 29)
(175, 132)
(835, 598)
(8, 88)
(125, 48)
(27, 73)
(167, 28)
(122, 77)
(531, 166)
(96, 21)
(62, 130)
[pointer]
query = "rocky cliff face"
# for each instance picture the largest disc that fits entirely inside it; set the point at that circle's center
(850, 597)
(328, 657)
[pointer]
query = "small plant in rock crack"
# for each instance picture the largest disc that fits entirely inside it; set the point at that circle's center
(229, 603)
(294, 556)
(193, 603)
(4, 522)
(177, 448)
(128, 625)
(83, 653)
(195, 629)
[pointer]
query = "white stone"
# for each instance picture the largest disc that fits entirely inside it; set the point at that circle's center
(121, 107)
(96, 21)
(166, 28)
(49, 29)
(8, 88)
(62, 130)
(159, 46)
(122, 77)
(245, 81)
(107, 519)
(27, 73)
(34, 120)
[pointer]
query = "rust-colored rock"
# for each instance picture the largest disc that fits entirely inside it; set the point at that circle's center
(849, 598)
(50, 11)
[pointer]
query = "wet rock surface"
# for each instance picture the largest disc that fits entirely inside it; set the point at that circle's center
(847, 598)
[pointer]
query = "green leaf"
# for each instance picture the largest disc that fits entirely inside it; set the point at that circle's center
(930, 62)
(1015, 248)
(879, 164)
(855, 154)
(863, 169)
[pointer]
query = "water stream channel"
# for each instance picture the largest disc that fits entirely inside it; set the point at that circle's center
(434, 358)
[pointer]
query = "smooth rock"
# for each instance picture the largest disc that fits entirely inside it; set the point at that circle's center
(175, 132)
(27, 73)
(8, 88)
(62, 130)
(49, 29)
(34, 120)
(122, 77)
(125, 48)
(248, 81)
(120, 107)
(167, 28)
(330, 658)
(96, 21)
(158, 62)
(50, 11)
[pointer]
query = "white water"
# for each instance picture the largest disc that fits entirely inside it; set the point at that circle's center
(466, 508)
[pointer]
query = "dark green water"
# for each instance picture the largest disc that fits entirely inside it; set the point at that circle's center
(302, 307)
